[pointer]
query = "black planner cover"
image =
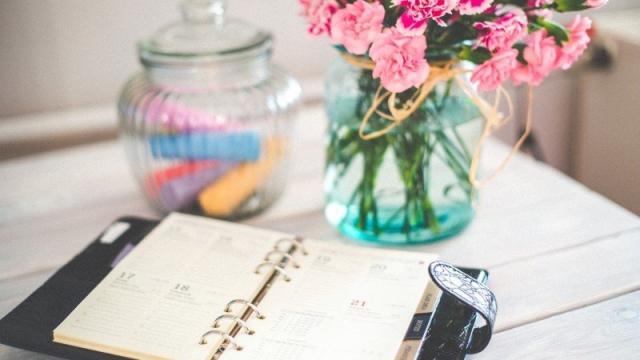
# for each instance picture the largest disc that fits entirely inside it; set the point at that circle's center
(30, 325)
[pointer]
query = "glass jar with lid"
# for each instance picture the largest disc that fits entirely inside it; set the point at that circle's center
(206, 124)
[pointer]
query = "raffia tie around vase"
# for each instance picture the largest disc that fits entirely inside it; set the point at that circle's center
(399, 111)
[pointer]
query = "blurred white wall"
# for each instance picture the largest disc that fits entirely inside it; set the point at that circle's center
(57, 54)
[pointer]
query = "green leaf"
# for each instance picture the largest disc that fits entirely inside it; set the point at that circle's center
(392, 13)
(520, 47)
(519, 3)
(477, 56)
(388, 4)
(569, 5)
(554, 29)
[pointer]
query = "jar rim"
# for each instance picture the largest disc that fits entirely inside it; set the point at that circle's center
(432, 55)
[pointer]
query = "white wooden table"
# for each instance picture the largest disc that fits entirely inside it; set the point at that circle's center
(564, 261)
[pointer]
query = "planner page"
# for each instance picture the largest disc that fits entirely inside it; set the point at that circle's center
(343, 302)
(161, 297)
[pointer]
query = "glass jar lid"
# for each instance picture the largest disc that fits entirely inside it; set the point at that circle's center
(203, 36)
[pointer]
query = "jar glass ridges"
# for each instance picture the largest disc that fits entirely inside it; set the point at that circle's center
(206, 124)
(410, 185)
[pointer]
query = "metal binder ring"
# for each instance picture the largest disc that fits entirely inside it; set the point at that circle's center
(244, 302)
(283, 254)
(275, 267)
(228, 338)
(235, 319)
(294, 241)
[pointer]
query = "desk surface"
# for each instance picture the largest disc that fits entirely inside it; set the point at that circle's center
(564, 261)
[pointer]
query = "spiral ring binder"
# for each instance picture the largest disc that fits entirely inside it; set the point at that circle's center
(294, 242)
(283, 254)
(276, 267)
(227, 308)
(276, 259)
(235, 319)
(228, 338)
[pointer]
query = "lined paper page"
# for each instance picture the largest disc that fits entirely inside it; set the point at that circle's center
(159, 300)
(345, 302)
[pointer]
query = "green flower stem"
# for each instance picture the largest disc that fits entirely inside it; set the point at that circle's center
(422, 137)
(373, 154)
(413, 152)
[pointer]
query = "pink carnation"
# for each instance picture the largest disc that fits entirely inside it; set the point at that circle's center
(416, 30)
(541, 55)
(318, 14)
(418, 12)
(546, 13)
(577, 44)
(538, 3)
(596, 3)
(472, 7)
(503, 32)
(356, 25)
(493, 72)
(399, 59)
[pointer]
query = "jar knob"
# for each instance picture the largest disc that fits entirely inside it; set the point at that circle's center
(203, 11)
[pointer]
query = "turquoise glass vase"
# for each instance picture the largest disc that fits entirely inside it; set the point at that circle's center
(410, 185)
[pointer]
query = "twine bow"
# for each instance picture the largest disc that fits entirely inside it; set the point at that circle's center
(445, 72)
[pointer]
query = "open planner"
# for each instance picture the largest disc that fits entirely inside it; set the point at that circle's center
(197, 288)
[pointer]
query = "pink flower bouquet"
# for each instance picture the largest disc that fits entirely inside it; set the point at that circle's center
(416, 65)
(480, 31)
